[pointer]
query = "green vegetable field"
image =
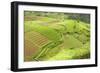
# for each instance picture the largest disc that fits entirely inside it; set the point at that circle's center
(56, 36)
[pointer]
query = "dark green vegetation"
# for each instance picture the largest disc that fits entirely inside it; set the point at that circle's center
(56, 36)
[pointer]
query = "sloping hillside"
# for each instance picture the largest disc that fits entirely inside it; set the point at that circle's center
(50, 39)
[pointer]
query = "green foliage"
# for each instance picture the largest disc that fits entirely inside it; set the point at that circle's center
(44, 30)
(66, 36)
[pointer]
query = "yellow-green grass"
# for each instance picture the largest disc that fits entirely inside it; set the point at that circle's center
(75, 53)
(44, 30)
(48, 32)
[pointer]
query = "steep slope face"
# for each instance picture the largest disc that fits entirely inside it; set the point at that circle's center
(61, 40)
(40, 36)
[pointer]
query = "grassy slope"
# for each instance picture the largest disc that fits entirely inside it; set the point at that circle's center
(43, 30)
(76, 53)
(71, 47)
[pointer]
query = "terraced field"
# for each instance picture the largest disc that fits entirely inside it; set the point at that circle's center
(47, 38)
